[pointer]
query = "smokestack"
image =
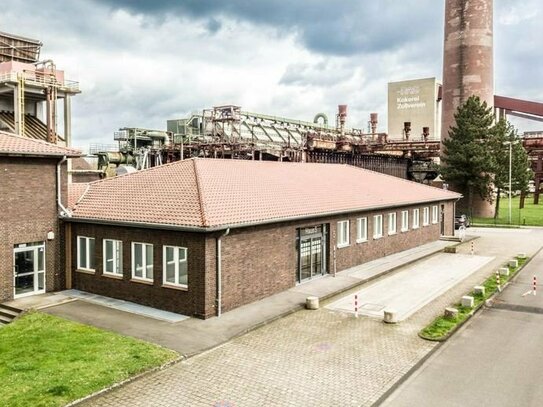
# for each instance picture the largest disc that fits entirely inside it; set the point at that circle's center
(468, 67)
(341, 117)
(373, 121)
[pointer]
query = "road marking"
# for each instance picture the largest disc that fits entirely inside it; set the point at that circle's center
(527, 293)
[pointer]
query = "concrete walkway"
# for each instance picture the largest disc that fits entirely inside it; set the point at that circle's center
(192, 336)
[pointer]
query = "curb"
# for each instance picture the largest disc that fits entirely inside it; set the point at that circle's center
(125, 381)
(481, 305)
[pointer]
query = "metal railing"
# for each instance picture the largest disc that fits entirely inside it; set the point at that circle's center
(37, 79)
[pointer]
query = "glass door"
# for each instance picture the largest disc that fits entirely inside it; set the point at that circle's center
(311, 260)
(29, 270)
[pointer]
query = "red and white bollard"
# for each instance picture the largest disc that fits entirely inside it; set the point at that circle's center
(498, 281)
(356, 305)
(472, 248)
(535, 285)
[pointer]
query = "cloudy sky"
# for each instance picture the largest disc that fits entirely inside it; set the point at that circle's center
(142, 62)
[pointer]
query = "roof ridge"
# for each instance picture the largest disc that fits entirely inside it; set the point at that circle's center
(200, 194)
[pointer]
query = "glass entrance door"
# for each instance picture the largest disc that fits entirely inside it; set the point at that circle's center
(29, 270)
(311, 258)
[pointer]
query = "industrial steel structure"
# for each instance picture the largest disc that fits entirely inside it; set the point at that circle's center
(30, 90)
(229, 132)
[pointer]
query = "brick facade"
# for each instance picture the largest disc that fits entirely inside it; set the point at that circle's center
(256, 261)
(28, 211)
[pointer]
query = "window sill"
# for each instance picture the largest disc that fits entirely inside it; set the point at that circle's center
(416, 227)
(141, 281)
(391, 234)
(405, 230)
(86, 271)
(426, 225)
(176, 287)
(362, 241)
(377, 237)
(114, 276)
(343, 246)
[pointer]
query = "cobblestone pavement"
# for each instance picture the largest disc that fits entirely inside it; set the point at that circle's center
(310, 358)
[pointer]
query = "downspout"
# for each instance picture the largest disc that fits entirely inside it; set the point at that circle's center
(219, 272)
(64, 212)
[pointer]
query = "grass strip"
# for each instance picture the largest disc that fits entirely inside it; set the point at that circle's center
(441, 327)
(49, 361)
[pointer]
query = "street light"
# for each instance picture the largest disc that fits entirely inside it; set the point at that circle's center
(510, 144)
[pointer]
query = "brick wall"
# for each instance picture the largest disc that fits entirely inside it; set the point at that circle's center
(187, 302)
(256, 261)
(261, 261)
(28, 211)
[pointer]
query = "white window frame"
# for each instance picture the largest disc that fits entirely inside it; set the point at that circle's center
(377, 221)
(85, 266)
(176, 260)
(361, 230)
(426, 216)
(117, 259)
(342, 229)
(435, 213)
(405, 221)
(145, 265)
(392, 223)
(416, 218)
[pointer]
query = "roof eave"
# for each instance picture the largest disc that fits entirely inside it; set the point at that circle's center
(214, 228)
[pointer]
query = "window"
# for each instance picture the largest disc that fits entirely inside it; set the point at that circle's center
(85, 253)
(416, 218)
(434, 214)
(425, 216)
(377, 226)
(113, 257)
(405, 221)
(343, 233)
(142, 261)
(362, 230)
(392, 223)
(175, 266)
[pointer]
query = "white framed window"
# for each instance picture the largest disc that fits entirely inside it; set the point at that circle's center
(405, 221)
(435, 214)
(343, 233)
(142, 261)
(85, 253)
(425, 216)
(175, 270)
(377, 226)
(392, 223)
(361, 230)
(416, 218)
(113, 254)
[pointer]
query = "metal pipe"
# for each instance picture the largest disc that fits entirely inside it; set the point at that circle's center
(219, 271)
(64, 212)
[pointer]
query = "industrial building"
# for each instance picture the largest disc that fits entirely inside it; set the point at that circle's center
(204, 236)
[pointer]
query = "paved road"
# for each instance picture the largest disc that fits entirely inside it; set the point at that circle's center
(496, 360)
(311, 358)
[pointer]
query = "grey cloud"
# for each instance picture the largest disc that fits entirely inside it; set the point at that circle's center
(335, 28)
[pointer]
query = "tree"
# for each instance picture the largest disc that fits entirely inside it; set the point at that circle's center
(467, 161)
(503, 134)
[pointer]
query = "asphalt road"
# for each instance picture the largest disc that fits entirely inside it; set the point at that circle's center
(494, 360)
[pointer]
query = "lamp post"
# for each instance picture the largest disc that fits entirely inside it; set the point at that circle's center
(510, 144)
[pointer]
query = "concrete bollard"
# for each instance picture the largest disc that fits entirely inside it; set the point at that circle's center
(513, 263)
(468, 301)
(521, 256)
(479, 290)
(312, 302)
(390, 316)
(451, 313)
(504, 271)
